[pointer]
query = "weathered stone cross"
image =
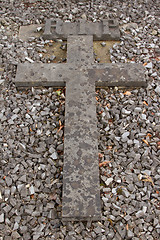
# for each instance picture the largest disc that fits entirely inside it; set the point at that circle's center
(80, 75)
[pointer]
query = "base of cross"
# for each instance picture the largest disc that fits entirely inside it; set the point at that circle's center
(81, 187)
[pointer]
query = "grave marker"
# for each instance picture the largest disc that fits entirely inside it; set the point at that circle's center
(107, 29)
(80, 75)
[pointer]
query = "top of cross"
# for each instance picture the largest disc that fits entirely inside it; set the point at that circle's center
(107, 29)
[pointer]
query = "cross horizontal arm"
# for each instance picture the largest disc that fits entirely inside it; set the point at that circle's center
(40, 74)
(119, 74)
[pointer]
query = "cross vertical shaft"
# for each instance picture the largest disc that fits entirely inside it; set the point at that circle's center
(81, 191)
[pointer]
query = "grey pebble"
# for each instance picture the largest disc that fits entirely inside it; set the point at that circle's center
(125, 134)
(2, 218)
(15, 235)
(149, 65)
(138, 110)
(31, 190)
(103, 44)
(157, 90)
(8, 181)
(139, 214)
(125, 111)
(54, 156)
(130, 234)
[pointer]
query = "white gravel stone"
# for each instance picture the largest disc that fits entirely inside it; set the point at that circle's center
(31, 190)
(139, 214)
(157, 90)
(138, 110)
(54, 156)
(149, 65)
(125, 134)
(2, 218)
(126, 112)
(144, 209)
(108, 181)
(29, 59)
(148, 172)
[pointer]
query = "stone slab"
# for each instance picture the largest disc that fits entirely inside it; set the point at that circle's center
(107, 29)
(118, 74)
(41, 74)
(56, 75)
(25, 32)
(81, 187)
(82, 47)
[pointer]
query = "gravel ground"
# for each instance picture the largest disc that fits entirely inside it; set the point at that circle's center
(31, 130)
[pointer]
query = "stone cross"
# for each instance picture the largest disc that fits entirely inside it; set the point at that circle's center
(80, 75)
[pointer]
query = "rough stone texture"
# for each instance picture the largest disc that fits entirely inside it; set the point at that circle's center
(81, 191)
(119, 74)
(40, 74)
(56, 75)
(107, 29)
(81, 199)
(26, 32)
(81, 196)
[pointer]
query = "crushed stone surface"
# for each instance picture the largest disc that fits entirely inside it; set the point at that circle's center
(31, 129)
